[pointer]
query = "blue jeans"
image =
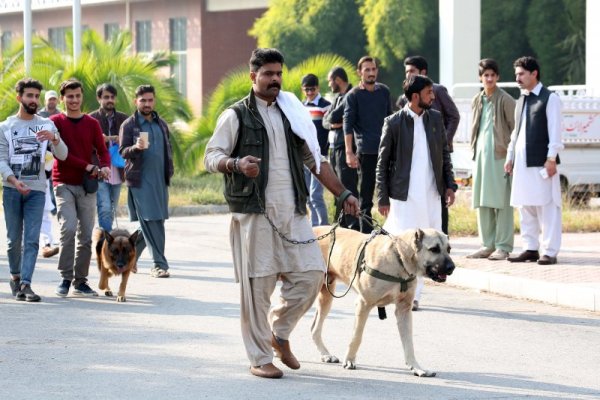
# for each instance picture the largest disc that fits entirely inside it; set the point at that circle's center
(107, 201)
(316, 202)
(23, 216)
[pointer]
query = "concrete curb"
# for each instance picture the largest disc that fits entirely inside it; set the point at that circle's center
(562, 294)
(185, 211)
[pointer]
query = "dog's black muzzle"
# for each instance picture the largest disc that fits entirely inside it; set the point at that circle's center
(439, 272)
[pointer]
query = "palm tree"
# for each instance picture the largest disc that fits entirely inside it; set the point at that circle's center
(101, 61)
(237, 85)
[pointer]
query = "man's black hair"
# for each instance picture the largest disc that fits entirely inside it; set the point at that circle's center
(414, 84)
(106, 87)
(27, 83)
(310, 80)
(530, 64)
(70, 84)
(262, 56)
(338, 72)
(416, 61)
(143, 89)
(488, 63)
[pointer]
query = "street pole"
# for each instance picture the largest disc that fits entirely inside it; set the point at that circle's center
(27, 36)
(76, 30)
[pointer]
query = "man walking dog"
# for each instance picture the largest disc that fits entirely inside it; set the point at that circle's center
(261, 144)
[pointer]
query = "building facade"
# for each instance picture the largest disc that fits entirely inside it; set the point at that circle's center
(209, 37)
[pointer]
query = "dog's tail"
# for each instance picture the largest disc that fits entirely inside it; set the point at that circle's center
(98, 238)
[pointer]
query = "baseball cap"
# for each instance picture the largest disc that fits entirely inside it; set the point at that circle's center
(50, 94)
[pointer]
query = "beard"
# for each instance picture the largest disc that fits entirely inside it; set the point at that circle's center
(424, 105)
(30, 108)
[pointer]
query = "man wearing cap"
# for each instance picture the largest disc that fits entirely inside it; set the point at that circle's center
(317, 107)
(49, 249)
(51, 100)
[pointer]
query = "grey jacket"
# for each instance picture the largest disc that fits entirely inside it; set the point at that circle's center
(504, 121)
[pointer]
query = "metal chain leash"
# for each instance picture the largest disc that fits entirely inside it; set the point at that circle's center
(282, 235)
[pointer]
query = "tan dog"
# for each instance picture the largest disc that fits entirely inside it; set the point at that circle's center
(115, 254)
(414, 253)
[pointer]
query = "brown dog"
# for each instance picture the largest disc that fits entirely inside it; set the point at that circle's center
(115, 254)
(413, 253)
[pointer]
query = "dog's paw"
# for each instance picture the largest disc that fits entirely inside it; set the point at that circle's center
(121, 299)
(330, 359)
(349, 365)
(108, 293)
(421, 373)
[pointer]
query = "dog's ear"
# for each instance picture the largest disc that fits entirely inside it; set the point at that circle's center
(108, 237)
(419, 235)
(133, 237)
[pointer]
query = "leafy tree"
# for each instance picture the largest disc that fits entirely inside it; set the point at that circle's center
(572, 48)
(546, 28)
(392, 26)
(100, 62)
(303, 28)
(503, 35)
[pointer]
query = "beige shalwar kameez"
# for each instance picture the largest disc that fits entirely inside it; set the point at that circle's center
(260, 256)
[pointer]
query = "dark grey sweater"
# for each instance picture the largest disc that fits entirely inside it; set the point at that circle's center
(363, 115)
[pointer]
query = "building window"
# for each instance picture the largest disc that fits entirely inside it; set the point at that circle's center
(6, 40)
(143, 36)
(57, 38)
(110, 30)
(178, 46)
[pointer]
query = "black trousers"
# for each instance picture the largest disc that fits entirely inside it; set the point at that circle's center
(349, 178)
(366, 178)
(445, 216)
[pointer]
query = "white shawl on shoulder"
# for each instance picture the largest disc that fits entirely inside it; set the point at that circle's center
(301, 123)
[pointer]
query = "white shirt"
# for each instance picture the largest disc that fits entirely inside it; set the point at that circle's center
(529, 188)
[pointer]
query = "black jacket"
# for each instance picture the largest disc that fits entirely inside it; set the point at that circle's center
(335, 115)
(396, 150)
(134, 162)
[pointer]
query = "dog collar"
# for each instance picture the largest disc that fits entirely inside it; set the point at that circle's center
(378, 274)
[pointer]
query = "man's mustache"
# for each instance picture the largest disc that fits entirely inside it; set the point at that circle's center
(274, 85)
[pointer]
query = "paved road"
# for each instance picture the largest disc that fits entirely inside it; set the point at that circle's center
(179, 338)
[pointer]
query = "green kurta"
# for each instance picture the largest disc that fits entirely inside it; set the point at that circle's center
(489, 184)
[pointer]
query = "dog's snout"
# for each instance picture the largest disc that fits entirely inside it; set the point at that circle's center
(449, 267)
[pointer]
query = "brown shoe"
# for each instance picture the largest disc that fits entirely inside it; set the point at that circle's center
(283, 352)
(266, 371)
(49, 251)
(547, 260)
(527, 255)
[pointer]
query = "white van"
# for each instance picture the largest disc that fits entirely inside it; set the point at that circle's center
(580, 160)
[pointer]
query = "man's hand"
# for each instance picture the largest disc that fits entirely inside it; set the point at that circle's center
(139, 144)
(508, 167)
(449, 197)
(352, 206)
(384, 210)
(338, 125)
(550, 167)
(44, 135)
(352, 160)
(22, 187)
(249, 166)
(104, 173)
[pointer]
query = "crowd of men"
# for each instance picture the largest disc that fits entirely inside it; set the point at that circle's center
(55, 162)
(274, 159)
(277, 154)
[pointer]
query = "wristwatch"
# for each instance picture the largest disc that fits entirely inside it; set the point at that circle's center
(553, 159)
